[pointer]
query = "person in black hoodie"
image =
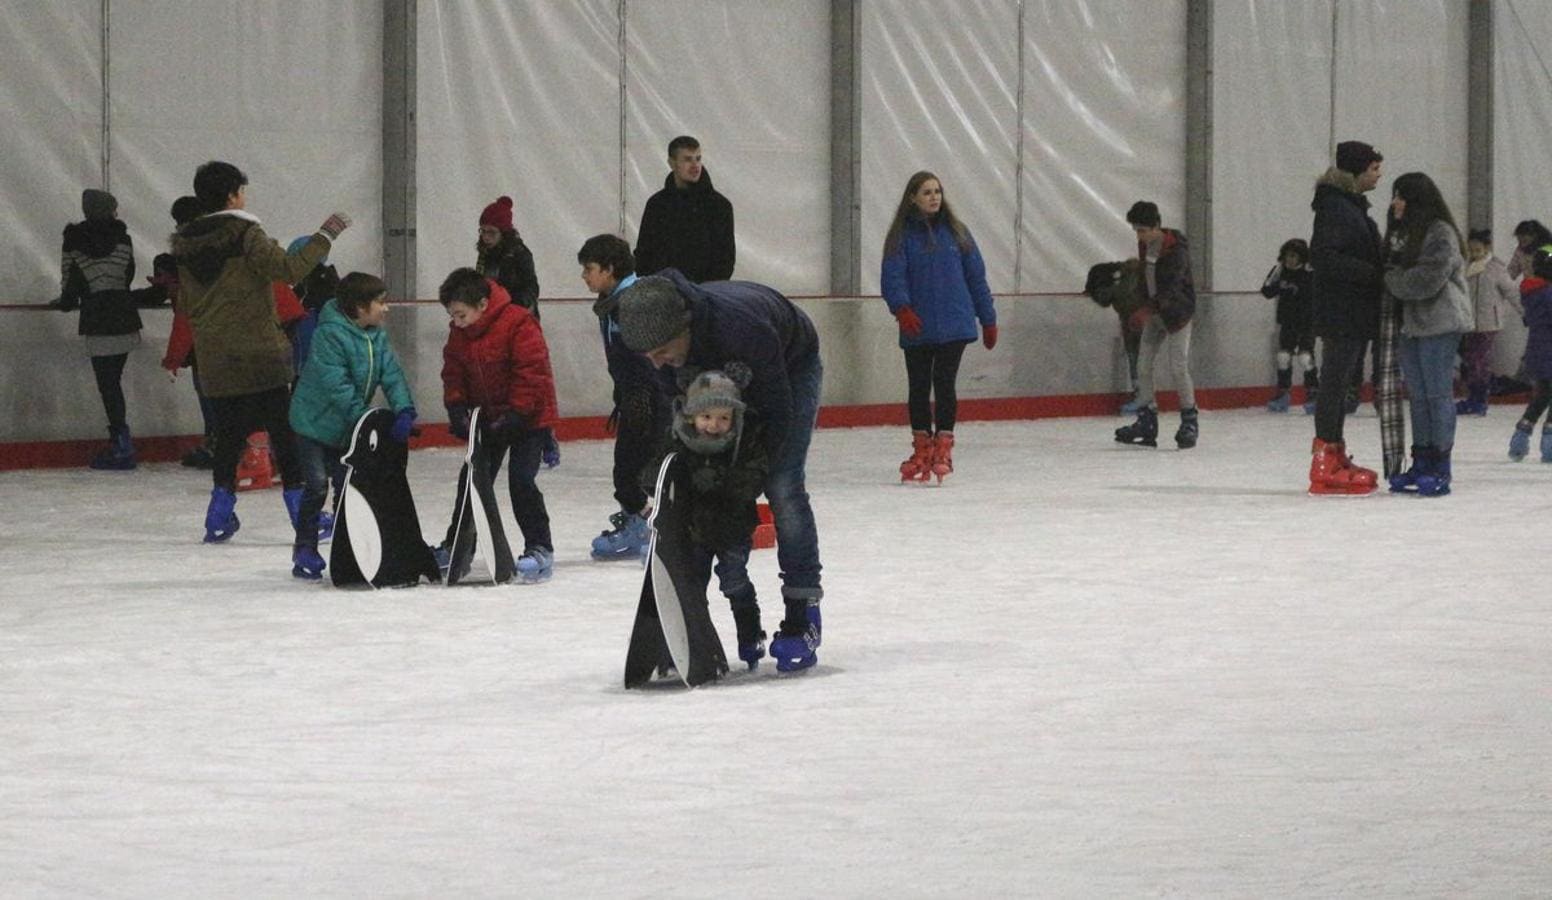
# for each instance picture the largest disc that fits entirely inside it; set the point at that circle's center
(97, 266)
(1289, 284)
(687, 225)
(1348, 259)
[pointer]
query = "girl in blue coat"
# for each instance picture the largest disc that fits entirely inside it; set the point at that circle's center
(934, 282)
(349, 360)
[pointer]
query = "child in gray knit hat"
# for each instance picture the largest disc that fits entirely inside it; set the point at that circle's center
(718, 440)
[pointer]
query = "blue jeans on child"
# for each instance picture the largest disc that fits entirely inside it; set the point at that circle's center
(797, 537)
(320, 465)
(1428, 365)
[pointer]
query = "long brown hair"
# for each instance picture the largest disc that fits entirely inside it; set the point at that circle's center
(907, 209)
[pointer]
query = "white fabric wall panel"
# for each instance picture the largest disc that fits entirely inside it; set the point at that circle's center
(521, 99)
(1104, 125)
(290, 93)
(50, 147)
(1271, 124)
(1401, 85)
(939, 92)
(1522, 122)
(751, 80)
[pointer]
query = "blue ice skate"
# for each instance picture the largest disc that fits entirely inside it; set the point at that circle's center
(1546, 444)
(796, 650)
(444, 558)
(325, 526)
(628, 539)
(307, 564)
(1280, 403)
(535, 566)
(119, 454)
(292, 497)
(1309, 406)
(221, 516)
(1436, 481)
(1519, 442)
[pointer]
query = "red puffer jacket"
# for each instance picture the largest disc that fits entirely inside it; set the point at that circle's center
(500, 363)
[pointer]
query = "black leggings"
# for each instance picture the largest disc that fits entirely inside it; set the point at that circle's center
(109, 371)
(931, 370)
(239, 416)
(1340, 357)
(1539, 401)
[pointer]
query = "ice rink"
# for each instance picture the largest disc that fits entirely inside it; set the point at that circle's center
(1075, 670)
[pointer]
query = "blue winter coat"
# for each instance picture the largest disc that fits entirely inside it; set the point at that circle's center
(345, 367)
(757, 326)
(945, 286)
(1536, 296)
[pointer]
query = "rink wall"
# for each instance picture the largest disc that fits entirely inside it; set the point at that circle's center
(1058, 355)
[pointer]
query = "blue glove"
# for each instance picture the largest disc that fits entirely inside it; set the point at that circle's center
(551, 453)
(402, 424)
(458, 421)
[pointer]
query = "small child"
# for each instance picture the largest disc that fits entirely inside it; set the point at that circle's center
(496, 359)
(723, 445)
(1536, 295)
(1289, 284)
(349, 360)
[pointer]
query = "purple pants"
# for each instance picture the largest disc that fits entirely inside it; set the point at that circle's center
(1475, 348)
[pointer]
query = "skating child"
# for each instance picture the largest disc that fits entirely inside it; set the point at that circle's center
(1114, 285)
(1536, 296)
(496, 359)
(350, 359)
(723, 445)
(1289, 284)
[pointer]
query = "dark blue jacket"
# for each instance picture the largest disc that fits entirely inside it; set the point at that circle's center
(630, 371)
(756, 325)
(1536, 295)
(946, 286)
(1348, 260)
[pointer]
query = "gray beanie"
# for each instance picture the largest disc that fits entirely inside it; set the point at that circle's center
(97, 204)
(711, 390)
(651, 314)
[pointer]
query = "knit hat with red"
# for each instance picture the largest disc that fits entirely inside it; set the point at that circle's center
(1356, 156)
(498, 214)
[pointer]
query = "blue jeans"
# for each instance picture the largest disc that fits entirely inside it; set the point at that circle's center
(320, 465)
(797, 538)
(732, 568)
(1428, 365)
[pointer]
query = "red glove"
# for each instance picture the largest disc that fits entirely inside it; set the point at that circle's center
(989, 336)
(1138, 319)
(910, 322)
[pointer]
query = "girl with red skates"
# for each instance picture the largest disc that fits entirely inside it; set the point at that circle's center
(934, 282)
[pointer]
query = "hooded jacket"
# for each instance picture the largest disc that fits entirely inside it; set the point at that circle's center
(500, 363)
(511, 264)
(1432, 290)
(1347, 259)
(757, 326)
(943, 283)
(97, 265)
(226, 266)
(1291, 289)
(1491, 291)
(346, 366)
(689, 229)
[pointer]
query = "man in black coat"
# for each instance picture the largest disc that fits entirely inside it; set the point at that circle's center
(687, 225)
(1347, 257)
(679, 324)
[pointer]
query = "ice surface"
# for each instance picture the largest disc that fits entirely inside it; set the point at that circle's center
(1077, 669)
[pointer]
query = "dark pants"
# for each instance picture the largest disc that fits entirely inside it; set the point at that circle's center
(1340, 357)
(204, 405)
(320, 466)
(643, 421)
(525, 449)
(237, 417)
(1539, 401)
(932, 370)
(109, 372)
(1475, 349)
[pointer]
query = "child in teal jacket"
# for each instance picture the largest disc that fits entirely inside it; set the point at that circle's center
(349, 360)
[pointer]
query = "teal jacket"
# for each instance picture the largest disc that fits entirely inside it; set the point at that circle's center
(345, 367)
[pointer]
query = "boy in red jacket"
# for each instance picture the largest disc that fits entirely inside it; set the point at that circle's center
(496, 359)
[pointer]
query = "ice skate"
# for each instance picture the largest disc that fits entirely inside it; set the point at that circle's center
(628, 539)
(1331, 472)
(1144, 431)
(1189, 430)
(535, 566)
(1280, 403)
(942, 455)
(221, 516)
(795, 644)
(306, 564)
(119, 455)
(918, 466)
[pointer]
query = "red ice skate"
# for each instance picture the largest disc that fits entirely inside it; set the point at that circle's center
(919, 466)
(1332, 472)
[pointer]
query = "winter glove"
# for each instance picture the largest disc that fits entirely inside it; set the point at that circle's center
(458, 421)
(507, 425)
(910, 322)
(989, 336)
(550, 455)
(333, 225)
(402, 424)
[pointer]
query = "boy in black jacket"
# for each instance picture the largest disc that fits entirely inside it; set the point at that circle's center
(1289, 284)
(721, 444)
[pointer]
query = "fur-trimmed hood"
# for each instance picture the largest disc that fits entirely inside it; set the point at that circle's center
(205, 244)
(1339, 181)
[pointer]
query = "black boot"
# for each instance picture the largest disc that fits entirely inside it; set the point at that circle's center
(1185, 435)
(1144, 431)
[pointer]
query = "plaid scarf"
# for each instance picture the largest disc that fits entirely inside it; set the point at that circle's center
(1387, 387)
